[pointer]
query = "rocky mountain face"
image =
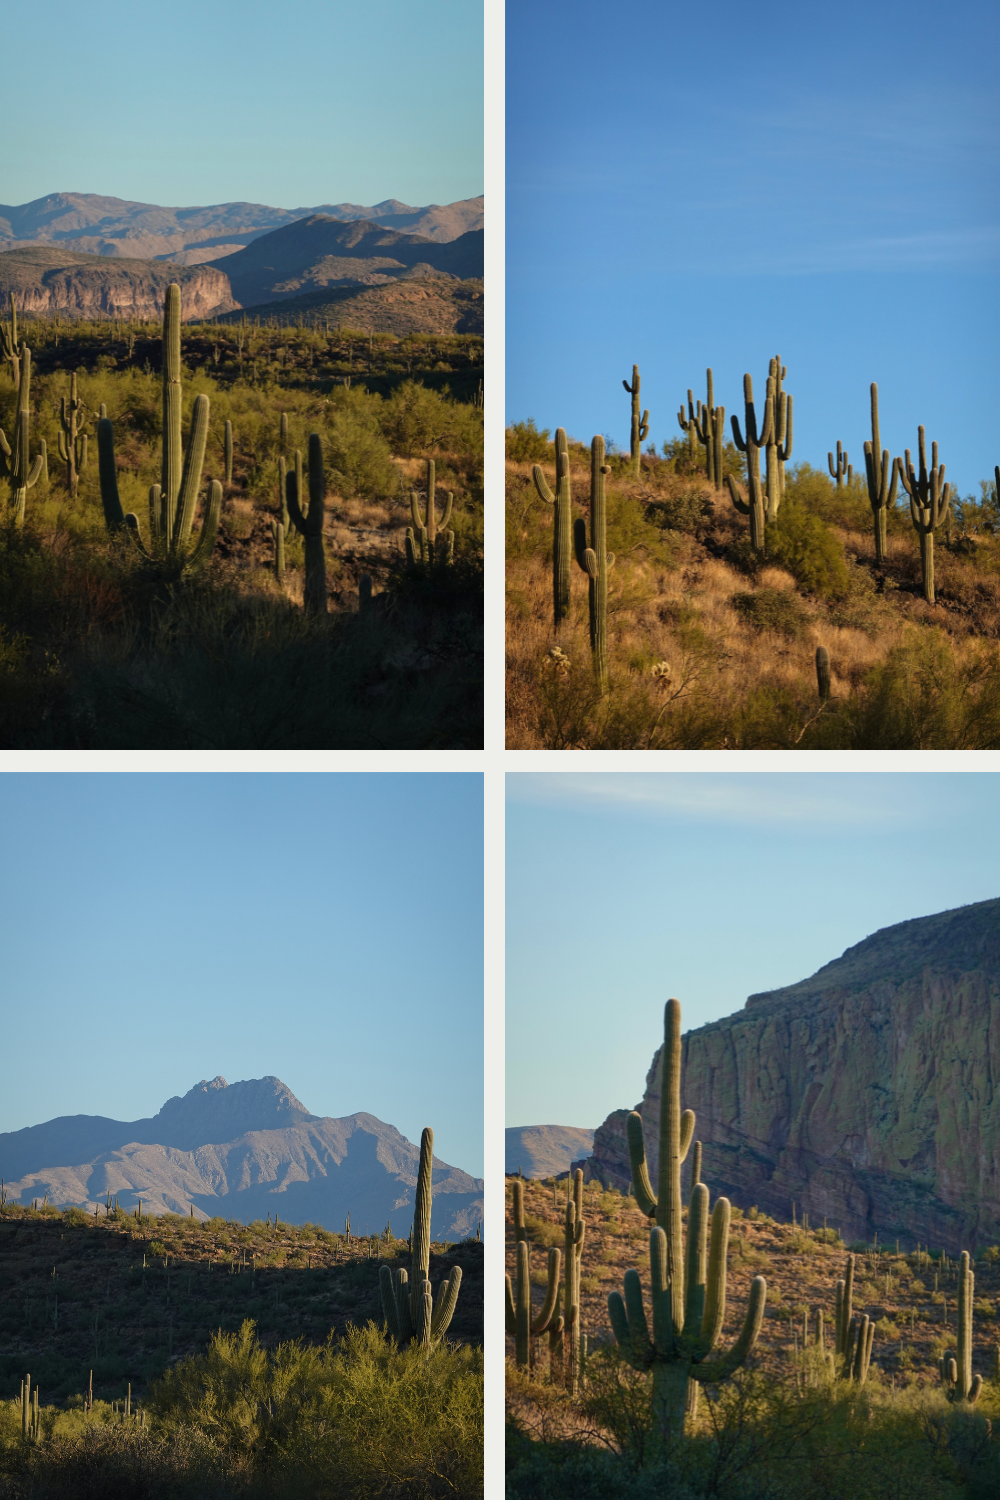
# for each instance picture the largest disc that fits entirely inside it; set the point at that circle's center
(47, 280)
(187, 236)
(241, 1151)
(319, 252)
(544, 1150)
(406, 305)
(869, 1094)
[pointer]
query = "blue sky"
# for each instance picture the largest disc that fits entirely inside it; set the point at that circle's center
(239, 100)
(625, 889)
(327, 929)
(691, 187)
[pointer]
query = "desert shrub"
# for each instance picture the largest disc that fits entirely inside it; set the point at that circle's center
(525, 444)
(157, 1247)
(688, 509)
(921, 698)
(415, 419)
(359, 458)
(777, 610)
(804, 544)
(542, 1231)
(630, 530)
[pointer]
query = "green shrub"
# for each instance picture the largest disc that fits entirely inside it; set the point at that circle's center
(801, 542)
(526, 445)
(777, 610)
(542, 1232)
(359, 458)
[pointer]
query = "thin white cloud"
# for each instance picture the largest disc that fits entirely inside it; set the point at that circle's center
(770, 799)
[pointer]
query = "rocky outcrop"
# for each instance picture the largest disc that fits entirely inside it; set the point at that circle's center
(241, 1150)
(48, 280)
(869, 1094)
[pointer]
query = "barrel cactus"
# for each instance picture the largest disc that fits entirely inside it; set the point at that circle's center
(688, 1291)
(411, 1312)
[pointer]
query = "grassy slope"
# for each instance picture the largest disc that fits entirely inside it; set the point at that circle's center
(742, 669)
(127, 1323)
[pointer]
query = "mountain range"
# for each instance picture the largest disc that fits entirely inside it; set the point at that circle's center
(867, 1094)
(99, 225)
(544, 1150)
(239, 1151)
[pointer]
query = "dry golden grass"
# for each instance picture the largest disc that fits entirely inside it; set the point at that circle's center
(732, 683)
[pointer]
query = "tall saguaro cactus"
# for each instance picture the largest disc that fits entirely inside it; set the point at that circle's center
(422, 541)
(573, 1237)
(778, 450)
(756, 438)
(10, 348)
(596, 560)
(930, 502)
(14, 462)
(310, 523)
(411, 1312)
(172, 502)
(519, 1321)
(562, 527)
(956, 1375)
(688, 1290)
(881, 481)
(852, 1336)
(708, 424)
(640, 424)
(72, 442)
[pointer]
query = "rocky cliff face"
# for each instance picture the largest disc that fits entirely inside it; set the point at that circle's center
(74, 285)
(869, 1094)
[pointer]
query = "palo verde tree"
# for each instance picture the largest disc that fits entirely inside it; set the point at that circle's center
(15, 465)
(640, 424)
(688, 1291)
(881, 481)
(411, 1312)
(596, 561)
(562, 527)
(173, 501)
(930, 502)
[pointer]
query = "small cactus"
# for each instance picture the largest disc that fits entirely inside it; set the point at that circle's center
(930, 504)
(596, 561)
(562, 527)
(14, 463)
(640, 424)
(840, 470)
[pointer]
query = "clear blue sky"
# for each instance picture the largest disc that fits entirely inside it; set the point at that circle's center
(239, 100)
(159, 929)
(690, 187)
(626, 889)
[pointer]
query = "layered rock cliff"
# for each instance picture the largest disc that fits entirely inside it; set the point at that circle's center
(869, 1094)
(48, 281)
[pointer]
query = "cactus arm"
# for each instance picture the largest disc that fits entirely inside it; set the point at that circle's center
(641, 1185)
(541, 485)
(173, 452)
(388, 1301)
(522, 1309)
(542, 1319)
(636, 1312)
(401, 1287)
(743, 506)
(209, 530)
(618, 1318)
(510, 1315)
(444, 1306)
(415, 510)
(785, 448)
(191, 479)
(715, 1291)
(114, 516)
(721, 1369)
(694, 1270)
(61, 445)
(687, 1132)
(449, 497)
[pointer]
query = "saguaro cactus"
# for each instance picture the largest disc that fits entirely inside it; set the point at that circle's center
(72, 442)
(755, 439)
(956, 1375)
(688, 1290)
(640, 424)
(930, 503)
(14, 463)
(708, 424)
(519, 1321)
(823, 673)
(310, 524)
(881, 482)
(573, 1238)
(562, 527)
(410, 1311)
(840, 470)
(423, 544)
(596, 560)
(778, 449)
(9, 346)
(852, 1336)
(227, 448)
(172, 502)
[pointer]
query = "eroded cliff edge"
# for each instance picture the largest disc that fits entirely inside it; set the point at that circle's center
(867, 1094)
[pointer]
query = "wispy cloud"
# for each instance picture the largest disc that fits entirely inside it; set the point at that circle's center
(763, 799)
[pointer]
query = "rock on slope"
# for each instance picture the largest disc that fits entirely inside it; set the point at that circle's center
(869, 1094)
(544, 1150)
(51, 280)
(240, 1150)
